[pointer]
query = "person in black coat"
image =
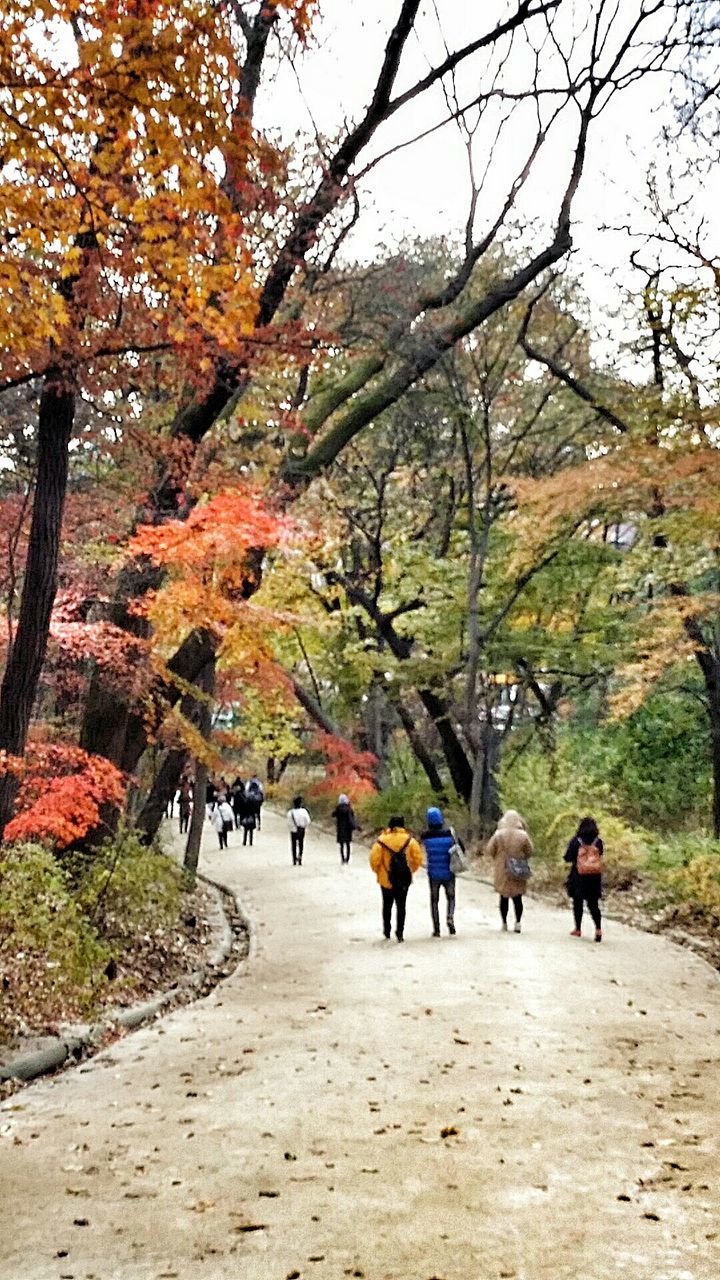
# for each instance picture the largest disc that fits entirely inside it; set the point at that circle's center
(585, 849)
(345, 824)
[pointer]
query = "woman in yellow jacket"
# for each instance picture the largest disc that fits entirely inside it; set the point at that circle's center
(394, 857)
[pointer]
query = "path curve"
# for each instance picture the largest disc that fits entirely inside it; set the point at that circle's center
(289, 1125)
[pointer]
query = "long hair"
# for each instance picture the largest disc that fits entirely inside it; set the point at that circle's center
(588, 830)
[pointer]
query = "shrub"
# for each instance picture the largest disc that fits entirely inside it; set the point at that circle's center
(553, 794)
(126, 889)
(51, 959)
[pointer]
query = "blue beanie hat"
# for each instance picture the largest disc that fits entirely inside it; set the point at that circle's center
(434, 817)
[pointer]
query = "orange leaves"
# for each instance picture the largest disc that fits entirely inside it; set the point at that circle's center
(221, 531)
(62, 793)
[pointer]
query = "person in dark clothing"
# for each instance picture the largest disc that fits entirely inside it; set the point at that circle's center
(585, 850)
(237, 800)
(345, 824)
(255, 796)
(437, 840)
(249, 822)
(185, 805)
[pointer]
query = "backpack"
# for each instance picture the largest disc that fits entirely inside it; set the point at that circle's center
(458, 861)
(399, 873)
(589, 860)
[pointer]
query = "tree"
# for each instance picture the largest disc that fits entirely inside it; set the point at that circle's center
(118, 298)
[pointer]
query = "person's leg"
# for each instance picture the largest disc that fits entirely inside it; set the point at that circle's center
(504, 904)
(594, 909)
(518, 905)
(400, 900)
(293, 846)
(301, 845)
(258, 812)
(388, 898)
(577, 912)
(434, 906)
(252, 836)
(450, 896)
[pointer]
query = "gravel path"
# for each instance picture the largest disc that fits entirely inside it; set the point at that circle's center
(457, 1109)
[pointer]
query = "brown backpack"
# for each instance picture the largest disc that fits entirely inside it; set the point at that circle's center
(589, 860)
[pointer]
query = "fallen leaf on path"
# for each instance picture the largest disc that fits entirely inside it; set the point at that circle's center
(244, 1227)
(450, 1131)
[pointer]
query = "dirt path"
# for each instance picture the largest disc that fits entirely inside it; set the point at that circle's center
(290, 1124)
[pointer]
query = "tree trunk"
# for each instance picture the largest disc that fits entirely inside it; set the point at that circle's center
(163, 790)
(206, 682)
(197, 821)
(489, 798)
(458, 764)
(420, 751)
(198, 712)
(27, 654)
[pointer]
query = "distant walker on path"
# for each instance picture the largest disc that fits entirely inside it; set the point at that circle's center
(345, 825)
(298, 820)
(395, 857)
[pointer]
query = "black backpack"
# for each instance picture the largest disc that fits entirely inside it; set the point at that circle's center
(399, 872)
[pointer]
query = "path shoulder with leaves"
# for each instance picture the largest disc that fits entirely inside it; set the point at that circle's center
(490, 1105)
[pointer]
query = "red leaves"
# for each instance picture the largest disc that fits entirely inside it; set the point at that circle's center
(346, 768)
(223, 530)
(62, 793)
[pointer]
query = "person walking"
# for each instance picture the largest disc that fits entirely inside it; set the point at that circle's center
(395, 857)
(222, 820)
(437, 840)
(584, 883)
(345, 824)
(237, 800)
(298, 820)
(255, 796)
(511, 847)
(248, 821)
(185, 805)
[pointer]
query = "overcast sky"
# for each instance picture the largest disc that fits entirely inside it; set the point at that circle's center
(423, 190)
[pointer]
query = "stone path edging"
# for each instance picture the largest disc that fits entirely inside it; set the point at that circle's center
(80, 1040)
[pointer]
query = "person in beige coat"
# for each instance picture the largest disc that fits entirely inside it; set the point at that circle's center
(510, 842)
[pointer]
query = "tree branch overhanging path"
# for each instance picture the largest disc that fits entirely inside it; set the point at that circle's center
(114, 299)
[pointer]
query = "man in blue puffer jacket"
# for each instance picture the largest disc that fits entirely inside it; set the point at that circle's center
(437, 841)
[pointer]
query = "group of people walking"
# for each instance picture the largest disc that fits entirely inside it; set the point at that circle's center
(396, 855)
(237, 806)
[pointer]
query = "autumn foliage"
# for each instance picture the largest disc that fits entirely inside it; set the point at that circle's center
(346, 768)
(62, 793)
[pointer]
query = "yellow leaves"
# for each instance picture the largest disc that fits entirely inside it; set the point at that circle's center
(664, 643)
(110, 134)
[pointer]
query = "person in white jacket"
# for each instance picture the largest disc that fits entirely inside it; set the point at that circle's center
(298, 820)
(222, 819)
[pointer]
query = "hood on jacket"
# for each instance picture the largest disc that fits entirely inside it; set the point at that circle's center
(434, 817)
(511, 819)
(343, 799)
